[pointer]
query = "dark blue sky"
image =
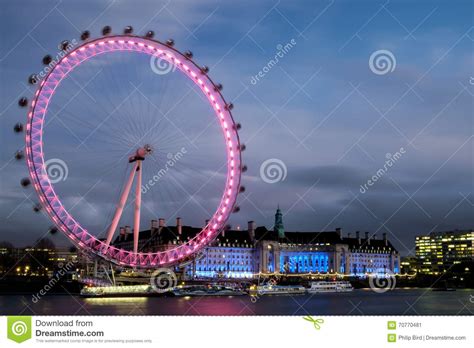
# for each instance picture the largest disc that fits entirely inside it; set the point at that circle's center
(320, 110)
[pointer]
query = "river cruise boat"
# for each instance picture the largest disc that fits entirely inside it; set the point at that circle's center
(337, 286)
(206, 290)
(119, 291)
(277, 290)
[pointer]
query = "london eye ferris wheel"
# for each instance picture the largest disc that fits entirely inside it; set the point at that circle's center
(142, 131)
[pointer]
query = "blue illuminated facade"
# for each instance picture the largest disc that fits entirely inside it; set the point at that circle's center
(304, 262)
(297, 253)
(224, 261)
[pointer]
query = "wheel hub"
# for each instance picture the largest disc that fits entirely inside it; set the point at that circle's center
(141, 153)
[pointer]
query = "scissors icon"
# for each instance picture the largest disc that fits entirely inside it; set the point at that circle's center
(316, 322)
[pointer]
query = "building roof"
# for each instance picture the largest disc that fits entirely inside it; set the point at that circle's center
(169, 234)
(299, 237)
(444, 233)
(364, 244)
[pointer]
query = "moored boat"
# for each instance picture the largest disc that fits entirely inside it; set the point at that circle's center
(119, 291)
(337, 286)
(206, 290)
(276, 290)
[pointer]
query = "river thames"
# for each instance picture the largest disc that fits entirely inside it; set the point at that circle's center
(358, 302)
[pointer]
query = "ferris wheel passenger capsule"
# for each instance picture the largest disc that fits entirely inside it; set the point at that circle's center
(244, 168)
(19, 155)
(229, 106)
(23, 102)
(128, 29)
(47, 59)
(149, 34)
(106, 30)
(85, 35)
(170, 42)
(37, 208)
(33, 79)
(18, 128)
(218, 87)
(205, 69)
(64, 45)
(25, 182)
(188, 54)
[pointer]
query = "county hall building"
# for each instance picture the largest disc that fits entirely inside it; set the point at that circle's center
(238, 253)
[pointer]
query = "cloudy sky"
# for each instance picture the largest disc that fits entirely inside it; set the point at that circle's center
(326, 91)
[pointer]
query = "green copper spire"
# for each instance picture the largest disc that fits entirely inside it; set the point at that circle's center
(278, 227)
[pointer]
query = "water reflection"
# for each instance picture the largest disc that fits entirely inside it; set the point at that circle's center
(114, 300)
(399, 301)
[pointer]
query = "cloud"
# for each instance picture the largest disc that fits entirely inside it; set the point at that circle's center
(324, 131)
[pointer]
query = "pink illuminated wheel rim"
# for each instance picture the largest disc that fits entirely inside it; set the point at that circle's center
(45, 189)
